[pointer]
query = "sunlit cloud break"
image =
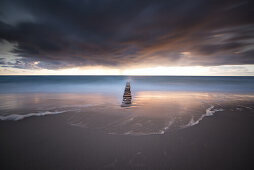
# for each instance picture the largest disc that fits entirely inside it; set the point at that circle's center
(235, 70)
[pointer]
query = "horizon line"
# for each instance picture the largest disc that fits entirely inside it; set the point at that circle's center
(125, 75)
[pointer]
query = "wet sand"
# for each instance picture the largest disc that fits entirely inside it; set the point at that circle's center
(222, 141)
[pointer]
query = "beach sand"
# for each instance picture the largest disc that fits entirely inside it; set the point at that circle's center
(222, 141)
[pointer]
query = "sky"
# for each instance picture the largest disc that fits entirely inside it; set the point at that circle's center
(127, 37)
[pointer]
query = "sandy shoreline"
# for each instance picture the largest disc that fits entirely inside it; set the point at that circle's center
(223, 141)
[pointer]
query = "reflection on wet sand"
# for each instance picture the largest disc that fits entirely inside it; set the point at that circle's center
(157, 112)
(151, 112)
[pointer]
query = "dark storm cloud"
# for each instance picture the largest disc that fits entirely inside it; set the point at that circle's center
(65, 33)
(2, 62)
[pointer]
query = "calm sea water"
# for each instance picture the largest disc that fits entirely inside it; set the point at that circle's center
(160, 104)
(115, 84)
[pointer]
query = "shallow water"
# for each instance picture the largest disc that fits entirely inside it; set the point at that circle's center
(151, 112)
(159, 105)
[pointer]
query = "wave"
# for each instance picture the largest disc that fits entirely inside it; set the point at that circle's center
(16, 117)
(247, 107)
(134, 133)
(209, 112)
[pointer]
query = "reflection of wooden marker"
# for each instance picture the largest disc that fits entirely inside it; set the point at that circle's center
(127, 96)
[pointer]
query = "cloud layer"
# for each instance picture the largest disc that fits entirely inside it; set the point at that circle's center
(64, 33)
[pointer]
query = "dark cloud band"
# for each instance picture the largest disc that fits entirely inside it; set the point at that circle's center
(65, 33)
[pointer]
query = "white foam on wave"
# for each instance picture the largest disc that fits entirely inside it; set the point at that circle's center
(16, 117)
(209, 112)
(167, 127)
(247, 107)
(239, 109)
(134, 133)
(79, 124)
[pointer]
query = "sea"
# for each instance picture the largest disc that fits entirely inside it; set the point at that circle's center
(160, 104)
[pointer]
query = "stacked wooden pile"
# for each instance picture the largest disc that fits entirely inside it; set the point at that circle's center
(127, 94)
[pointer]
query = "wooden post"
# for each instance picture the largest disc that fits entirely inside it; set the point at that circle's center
(127, 95)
